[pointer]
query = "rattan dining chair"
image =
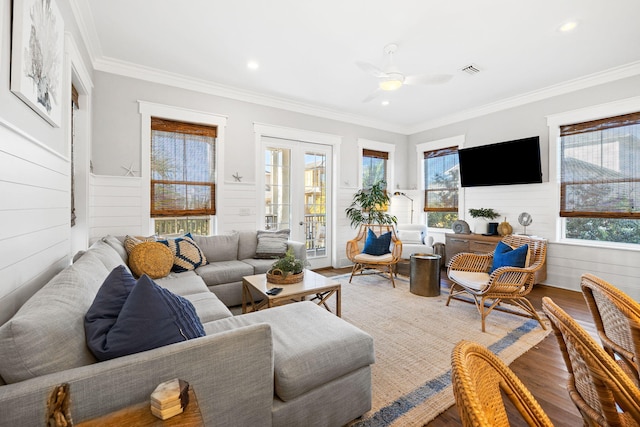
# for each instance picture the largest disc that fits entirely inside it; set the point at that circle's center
(481, 381)
(362, 262)
(470, 277)
(617, 320)
(603, 393)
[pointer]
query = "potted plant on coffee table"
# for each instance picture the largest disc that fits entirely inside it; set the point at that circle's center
(488, 214)
(286, 270)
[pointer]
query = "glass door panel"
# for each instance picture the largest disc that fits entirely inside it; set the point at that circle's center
(296, 194)
(315, 203)
(277, 196)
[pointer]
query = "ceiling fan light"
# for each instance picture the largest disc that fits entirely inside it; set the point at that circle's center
(391, 84)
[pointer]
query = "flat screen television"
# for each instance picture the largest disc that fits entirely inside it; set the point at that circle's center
(504, 163)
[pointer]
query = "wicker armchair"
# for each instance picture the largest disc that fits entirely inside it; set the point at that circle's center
(603, 393)
(617, 320)
(470, 277)
(480, 379)
(382, 263)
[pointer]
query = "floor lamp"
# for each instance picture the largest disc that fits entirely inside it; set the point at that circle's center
(397, 193)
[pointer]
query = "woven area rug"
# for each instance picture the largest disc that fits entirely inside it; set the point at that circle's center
(413, 338)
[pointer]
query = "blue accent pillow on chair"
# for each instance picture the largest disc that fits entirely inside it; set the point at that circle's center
(150, 317)
(375, 245)
(506, 256)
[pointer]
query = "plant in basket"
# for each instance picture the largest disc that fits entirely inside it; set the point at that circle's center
(287, 269)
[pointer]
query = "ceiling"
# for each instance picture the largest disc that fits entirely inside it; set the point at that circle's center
(307, 51)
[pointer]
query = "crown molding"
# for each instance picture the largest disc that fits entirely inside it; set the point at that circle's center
(114, 66)
(128, 69)
(595, 79)
(89, 35)
(84, 19)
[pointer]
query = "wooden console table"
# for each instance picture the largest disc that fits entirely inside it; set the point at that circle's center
(479, 244)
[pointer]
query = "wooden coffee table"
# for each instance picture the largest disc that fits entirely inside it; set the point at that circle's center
(313, 284)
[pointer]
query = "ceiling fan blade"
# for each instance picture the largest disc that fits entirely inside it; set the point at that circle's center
(370, 69)
(372, 96)
(427, 79)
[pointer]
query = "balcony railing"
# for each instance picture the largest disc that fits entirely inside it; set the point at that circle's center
(315, 231)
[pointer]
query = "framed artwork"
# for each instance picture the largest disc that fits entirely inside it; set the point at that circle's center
(37, 57)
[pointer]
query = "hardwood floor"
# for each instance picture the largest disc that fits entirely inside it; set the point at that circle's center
(541, 369)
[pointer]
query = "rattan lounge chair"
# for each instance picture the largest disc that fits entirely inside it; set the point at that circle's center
(470, 277)
(603, 393)
(617, 320)
(481, 381)
(362, 262)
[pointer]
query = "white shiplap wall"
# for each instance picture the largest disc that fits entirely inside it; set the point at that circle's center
(236, 207)
(115, 207)
(565, 262)
(344, 232)
(509, 201)
(34, 213)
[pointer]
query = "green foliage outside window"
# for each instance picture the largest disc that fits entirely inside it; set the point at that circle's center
(441, 219)
(603, 229)
(373, 171)
(441, 182)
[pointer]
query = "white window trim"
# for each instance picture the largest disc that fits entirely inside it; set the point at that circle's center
(378, 146)
(151, 109)
(554, 121)
(454, 141)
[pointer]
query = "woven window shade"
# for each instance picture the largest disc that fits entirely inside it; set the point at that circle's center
(376, 154)
(441, 180)
(182, 169)
(600, 168)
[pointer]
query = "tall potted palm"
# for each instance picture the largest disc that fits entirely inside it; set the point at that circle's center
(369, 206)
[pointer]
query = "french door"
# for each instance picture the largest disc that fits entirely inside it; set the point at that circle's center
(297, 187)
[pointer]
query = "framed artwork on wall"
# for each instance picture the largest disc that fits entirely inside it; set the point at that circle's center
(37, 57)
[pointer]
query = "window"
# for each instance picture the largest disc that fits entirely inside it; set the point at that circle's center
(374, 167)
(441, 186)
(600, 179)
(182, 175)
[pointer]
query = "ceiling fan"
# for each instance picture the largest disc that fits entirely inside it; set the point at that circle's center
(392, 78)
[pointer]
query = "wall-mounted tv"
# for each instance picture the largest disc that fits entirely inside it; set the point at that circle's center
(504, 163)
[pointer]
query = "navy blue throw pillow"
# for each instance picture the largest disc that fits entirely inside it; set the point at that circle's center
(375, 245)
(151, 317)
(107, 304)
(506, 256)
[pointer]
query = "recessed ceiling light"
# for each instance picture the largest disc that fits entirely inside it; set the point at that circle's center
(253, 65)
(568, 26)
(385, 103)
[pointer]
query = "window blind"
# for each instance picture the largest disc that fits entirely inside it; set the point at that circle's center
(182, 169)
(600, 168)
(376, 154)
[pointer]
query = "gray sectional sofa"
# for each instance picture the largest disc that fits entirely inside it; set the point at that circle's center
(287, 366)
(229, 258)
